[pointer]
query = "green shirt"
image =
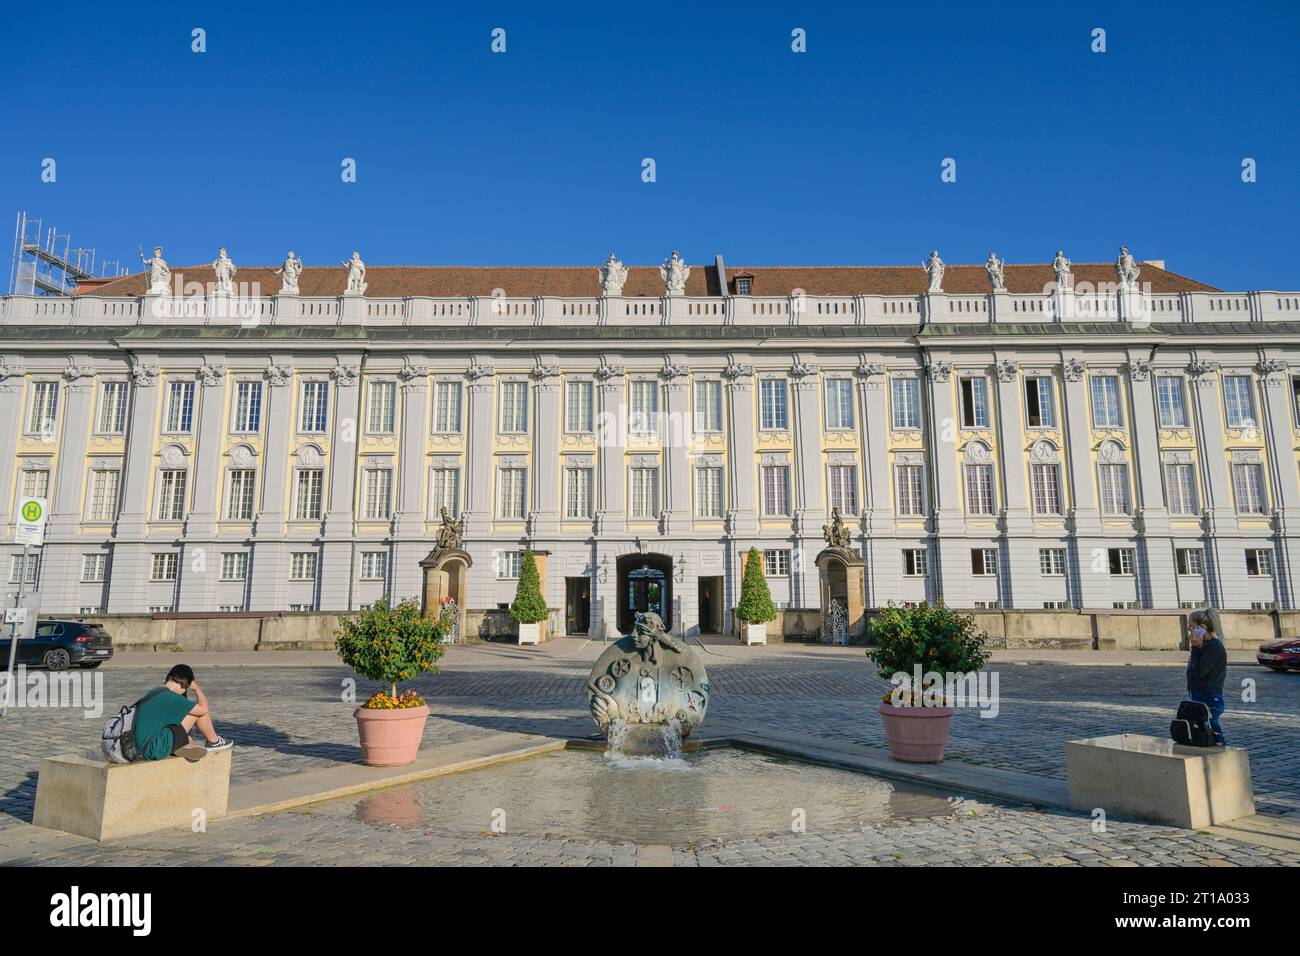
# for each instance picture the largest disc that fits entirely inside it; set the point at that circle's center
(154, 716)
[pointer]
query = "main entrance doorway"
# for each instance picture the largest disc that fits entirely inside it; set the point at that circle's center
(577, 605)
(645, 583)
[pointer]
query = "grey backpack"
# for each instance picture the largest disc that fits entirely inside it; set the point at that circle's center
(118, 740)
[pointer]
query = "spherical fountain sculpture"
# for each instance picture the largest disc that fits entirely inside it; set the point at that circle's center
(648, 691)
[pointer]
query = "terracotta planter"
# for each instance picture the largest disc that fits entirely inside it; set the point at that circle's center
(390, 738)
(916, 734)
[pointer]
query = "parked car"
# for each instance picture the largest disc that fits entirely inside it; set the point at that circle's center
(1280, 655)
(60, 644)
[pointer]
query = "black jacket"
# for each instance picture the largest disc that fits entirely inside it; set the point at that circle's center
(1206, 668)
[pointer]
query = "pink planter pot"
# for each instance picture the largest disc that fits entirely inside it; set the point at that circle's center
(916, 734)
(390, 738)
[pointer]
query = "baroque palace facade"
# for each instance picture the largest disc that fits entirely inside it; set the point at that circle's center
(1088, 436)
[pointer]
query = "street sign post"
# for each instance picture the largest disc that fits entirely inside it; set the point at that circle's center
(29, 532)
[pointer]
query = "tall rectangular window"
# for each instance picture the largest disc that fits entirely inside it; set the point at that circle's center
(509, 564)
(171, 495)
(104, 486)
(248, 407)
(239, 504)
(1046, 480)
(910, 492)
(307, 494)
(510, 493)
(112, 408)
(776, 563)
(708, 492)
(1123, 561)
(378, 494)
(644, 417)
(1040, 407)
(904, 404)
(1114, 489)
(180, 407)
(916, 562)
(514, 407)
(578, 407)
(975, 402)
(773, 411)
(45, 408)
(1248, 488)
(1238, 401)
(839, 404)
(1105, 402)
(444, 490)
(315, 407)
(577, 492)
(708, 406)
(381, 415)
(1169, 401)
(844, 488)
(776, 490)
(645, 492)
(1180, 489)
(979, 489)
(446, 407)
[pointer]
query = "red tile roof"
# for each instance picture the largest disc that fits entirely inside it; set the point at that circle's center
(578, 281)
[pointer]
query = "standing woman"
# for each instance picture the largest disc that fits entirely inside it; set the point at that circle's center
(1207, 666)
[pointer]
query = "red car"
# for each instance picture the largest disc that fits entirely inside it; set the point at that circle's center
(1280, 655)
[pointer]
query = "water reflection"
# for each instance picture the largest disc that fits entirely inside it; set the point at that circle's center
(707, 795)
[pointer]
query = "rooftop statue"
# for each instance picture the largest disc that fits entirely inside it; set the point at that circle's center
(675, 272)
(356, 275)
(648, 679)
(160, 274)
(996, 269)
(1127, 270)
(289, 274)
(1061, 266)
(613, 275)
(934, 270)
(225, 271)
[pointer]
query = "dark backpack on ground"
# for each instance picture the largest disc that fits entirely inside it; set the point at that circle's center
(118, 740)
(1192, 725)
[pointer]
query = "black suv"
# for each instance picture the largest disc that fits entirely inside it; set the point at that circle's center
(60, 644)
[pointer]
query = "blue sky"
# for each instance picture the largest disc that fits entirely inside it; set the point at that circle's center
(763, 155)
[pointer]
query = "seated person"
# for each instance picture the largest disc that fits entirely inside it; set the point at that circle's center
(164, 720)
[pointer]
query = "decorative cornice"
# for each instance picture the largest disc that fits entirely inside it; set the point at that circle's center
(737, 370)
(871, 369)
(74, 372)
(801, 370)
(477, 371)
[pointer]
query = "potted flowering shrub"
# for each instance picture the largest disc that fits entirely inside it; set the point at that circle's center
(529, 608)
(916, 648)
(391, 644)
(755, 607)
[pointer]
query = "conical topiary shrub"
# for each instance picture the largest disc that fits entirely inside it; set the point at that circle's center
(530, 605)
(755, 605)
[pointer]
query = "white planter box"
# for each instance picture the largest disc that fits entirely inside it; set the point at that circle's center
(530, 633)
(755, 633)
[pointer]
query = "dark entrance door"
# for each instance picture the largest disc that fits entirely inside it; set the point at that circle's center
(577, 605)
(645, 583)
(710, 595)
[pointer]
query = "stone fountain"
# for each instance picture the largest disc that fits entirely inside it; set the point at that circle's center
(648, 691)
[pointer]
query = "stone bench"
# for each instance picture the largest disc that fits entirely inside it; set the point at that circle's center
(1151, 778)
(84, 794)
